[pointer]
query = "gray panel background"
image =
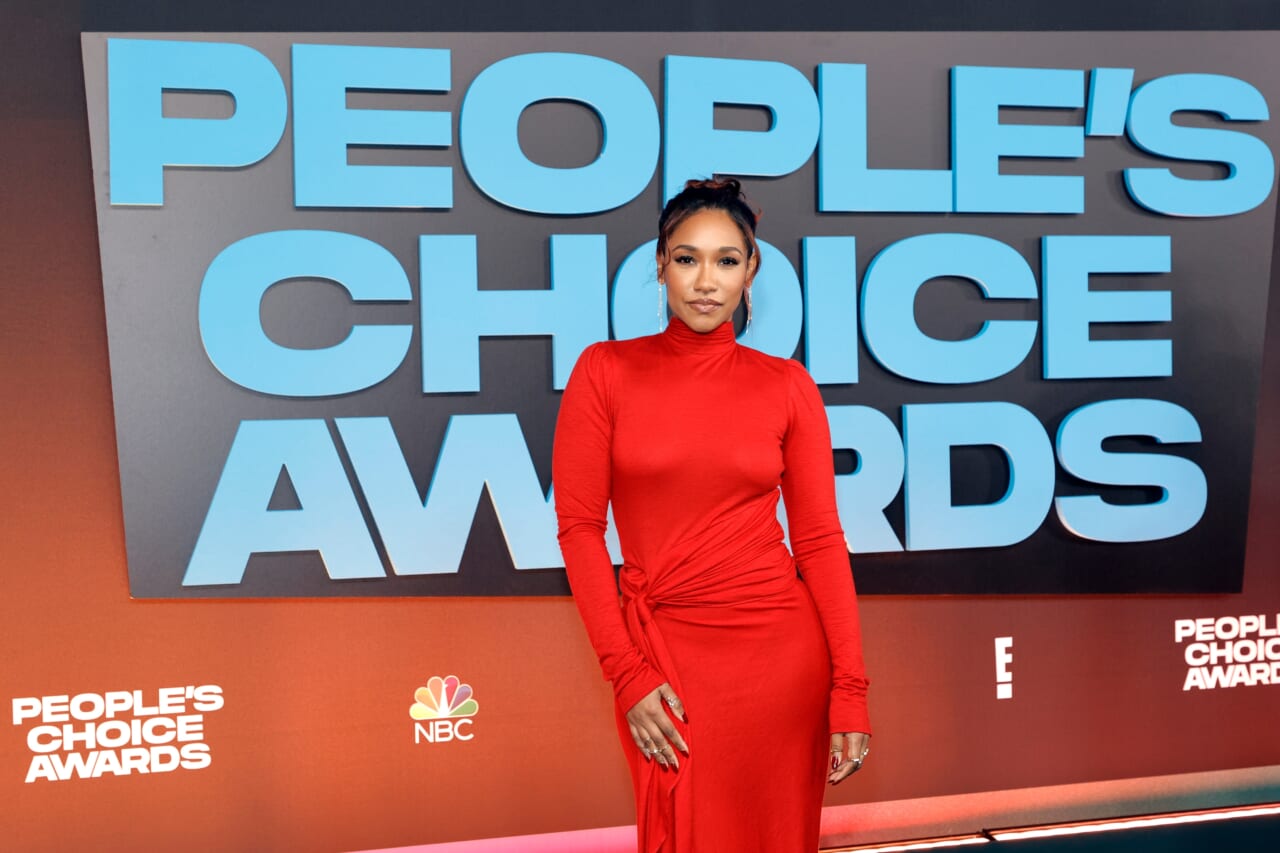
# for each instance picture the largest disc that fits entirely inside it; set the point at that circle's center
(176, 415)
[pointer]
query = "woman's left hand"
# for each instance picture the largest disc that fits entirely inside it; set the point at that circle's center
(848, 752)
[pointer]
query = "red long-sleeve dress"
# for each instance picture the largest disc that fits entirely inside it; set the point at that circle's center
(690, 435)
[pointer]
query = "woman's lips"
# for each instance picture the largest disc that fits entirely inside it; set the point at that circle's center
(705, 306)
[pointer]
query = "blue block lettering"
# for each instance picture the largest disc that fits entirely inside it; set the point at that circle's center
(888, 308)
(694, 148)
(979, 140)
(323, 126)
(142, 141)
(456, 313)
(1070, 306)
(831, 308)
(1250, 164)
(239, 524)
(844, 181)
(479, 451)
(489, 139)
(637, 305)
(929, 432)
(862, 495)
(1183, 485)
(1108, 101)
(229, 313)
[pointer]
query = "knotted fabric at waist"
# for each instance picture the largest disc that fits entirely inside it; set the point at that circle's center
(665, 796)
(769, 573)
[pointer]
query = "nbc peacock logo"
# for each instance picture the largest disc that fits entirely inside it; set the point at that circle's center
(443, 710)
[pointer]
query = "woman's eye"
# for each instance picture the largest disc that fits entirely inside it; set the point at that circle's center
(731, 262)
(684, 259)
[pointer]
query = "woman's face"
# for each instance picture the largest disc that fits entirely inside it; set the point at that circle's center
(706, 269)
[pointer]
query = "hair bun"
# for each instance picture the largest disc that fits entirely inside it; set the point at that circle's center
(724, 193)
(727, 186)
(710, 193)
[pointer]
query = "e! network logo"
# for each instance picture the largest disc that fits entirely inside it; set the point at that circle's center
(442, 710)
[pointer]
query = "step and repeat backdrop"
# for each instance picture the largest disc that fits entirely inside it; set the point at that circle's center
(346, 277)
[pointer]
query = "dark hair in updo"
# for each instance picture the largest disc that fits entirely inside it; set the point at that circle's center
(699, 195)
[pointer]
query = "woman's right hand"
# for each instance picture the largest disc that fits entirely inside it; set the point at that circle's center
(652, 729)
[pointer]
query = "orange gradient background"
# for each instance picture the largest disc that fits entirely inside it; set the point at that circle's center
(314, 748)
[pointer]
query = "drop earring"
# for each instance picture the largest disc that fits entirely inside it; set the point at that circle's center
(747, 295)
(662, 305)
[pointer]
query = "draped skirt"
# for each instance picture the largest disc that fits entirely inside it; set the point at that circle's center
(755, 679)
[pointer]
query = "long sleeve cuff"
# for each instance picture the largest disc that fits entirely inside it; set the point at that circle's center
(848, 708)
(637, 685)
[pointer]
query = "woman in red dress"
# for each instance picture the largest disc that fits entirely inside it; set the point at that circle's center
(738, 681)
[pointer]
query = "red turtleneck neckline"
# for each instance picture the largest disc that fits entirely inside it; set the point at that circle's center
(684, 339)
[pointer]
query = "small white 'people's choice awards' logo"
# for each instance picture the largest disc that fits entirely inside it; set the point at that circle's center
(117, 733)
(1230, 651)
(443, 710)
(1004, 677)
